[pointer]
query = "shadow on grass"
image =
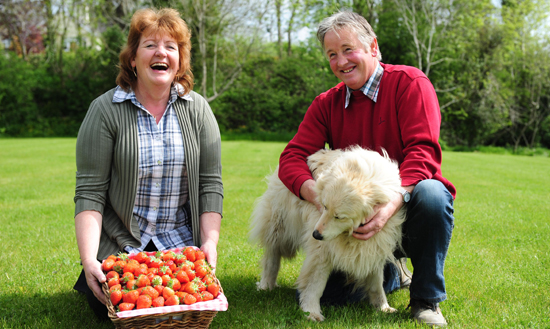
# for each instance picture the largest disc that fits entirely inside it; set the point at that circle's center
(249, 308)
(62, 310)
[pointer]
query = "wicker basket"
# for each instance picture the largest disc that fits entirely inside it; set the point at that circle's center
(180, 319)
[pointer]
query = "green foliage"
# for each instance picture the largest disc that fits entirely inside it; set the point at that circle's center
(273, 94)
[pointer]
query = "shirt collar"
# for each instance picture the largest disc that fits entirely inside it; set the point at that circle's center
(122, 95)
(371, 87)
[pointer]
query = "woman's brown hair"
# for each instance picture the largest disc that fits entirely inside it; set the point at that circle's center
(149, 21)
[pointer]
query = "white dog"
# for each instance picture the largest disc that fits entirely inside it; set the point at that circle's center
(349, 183)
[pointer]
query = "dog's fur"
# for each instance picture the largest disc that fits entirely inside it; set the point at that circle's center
(349, 183)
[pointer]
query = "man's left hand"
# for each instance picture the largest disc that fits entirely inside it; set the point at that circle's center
(378, 219)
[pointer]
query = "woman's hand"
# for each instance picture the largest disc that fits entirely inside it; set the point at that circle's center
(210, 223)
(94, 278)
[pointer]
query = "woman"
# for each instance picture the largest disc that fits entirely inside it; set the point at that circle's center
(148, 157)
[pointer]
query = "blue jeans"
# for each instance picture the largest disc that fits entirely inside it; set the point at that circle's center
(426, 236)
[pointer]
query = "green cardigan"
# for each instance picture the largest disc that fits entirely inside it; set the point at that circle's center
(107, 166)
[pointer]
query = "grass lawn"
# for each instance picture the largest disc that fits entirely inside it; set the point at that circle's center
(497, 270)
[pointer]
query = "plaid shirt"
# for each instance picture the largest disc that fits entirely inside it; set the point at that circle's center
(161, 208)
(371, 87)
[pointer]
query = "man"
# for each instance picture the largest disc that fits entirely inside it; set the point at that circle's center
(381, 106)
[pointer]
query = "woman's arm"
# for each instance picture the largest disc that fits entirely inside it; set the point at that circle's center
(210, 223)
(88, 230)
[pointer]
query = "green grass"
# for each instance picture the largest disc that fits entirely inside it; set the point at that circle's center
(497, 269)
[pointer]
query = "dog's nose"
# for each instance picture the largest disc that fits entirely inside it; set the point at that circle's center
(317, 235)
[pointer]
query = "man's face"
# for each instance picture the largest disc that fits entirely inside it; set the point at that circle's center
(349, 60)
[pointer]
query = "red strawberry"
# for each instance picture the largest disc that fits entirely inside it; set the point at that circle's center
(112, 274)
(126, 306)
(130, 296)
(144, 301)
(214, 289)
(115, 287)
(108, 264)
(142, 281)
(173, 300)
(116, 297)
(158, 302)
(167, 292)
(199, 254)
(182, 277)
(206, 296)
(190, 287)
(113, 282)
(180, 259)
(174, 284)
(119, 266)
(141, 257)
(190, 299)
(190, 253)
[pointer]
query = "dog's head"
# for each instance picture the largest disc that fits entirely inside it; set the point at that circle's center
(350, 187)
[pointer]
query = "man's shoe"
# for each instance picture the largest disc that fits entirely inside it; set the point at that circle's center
(427, 313)
(404, 274)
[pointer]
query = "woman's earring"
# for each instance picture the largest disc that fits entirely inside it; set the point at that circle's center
(135, 71)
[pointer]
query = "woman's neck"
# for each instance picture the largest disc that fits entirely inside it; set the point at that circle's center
(154, 100)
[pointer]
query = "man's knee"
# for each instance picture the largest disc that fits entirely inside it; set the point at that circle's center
(432, 200)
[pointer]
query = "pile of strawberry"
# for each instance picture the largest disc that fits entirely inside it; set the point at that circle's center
(166, 278)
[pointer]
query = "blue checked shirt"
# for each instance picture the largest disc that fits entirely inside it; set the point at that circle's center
(371, 87)
(161, 208)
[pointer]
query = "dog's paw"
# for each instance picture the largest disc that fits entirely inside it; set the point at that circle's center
(388, 309)
(318, 317)
(264, 286)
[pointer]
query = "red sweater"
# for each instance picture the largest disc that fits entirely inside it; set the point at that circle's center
(404, 121)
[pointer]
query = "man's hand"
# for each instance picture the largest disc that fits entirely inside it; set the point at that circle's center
(380, 216)
(307, 192)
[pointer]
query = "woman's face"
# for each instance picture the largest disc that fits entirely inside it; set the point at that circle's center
(156, 61)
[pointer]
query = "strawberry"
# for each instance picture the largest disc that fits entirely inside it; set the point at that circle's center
(130, 267)
(208, 279)
(181, 295)
(198, 296)
(190, 253)
(144, 301)
(157, 280)
(165, 270)
(141, 257)
(116, 297)
(150, 291)
(214, 289)
(167, 292)
(119, 266)
(199, 254)
(130, 296)
(172, 265)
(108, 264)
(142, 281)
(122, 256)
(182, 277)
(159, 288)
(174, 284)
(206, 296)
(154, 262)
(158, 302)
(126, 306)
(168, 255)
(115, 287)
(173, 300)
(112, 274)
(141, 269)
(165, 279)
(190, 299)
(180, 259)
(190, 287)
(202, 270)
(113, 282)
(127, 276)
(131, 284)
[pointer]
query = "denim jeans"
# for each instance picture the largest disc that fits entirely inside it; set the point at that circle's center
(426, 236)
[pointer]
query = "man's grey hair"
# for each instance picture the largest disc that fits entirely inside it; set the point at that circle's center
(348, 20)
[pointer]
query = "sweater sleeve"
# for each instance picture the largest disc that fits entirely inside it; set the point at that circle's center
(94, 149)
(419, 119)
(311, 136)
